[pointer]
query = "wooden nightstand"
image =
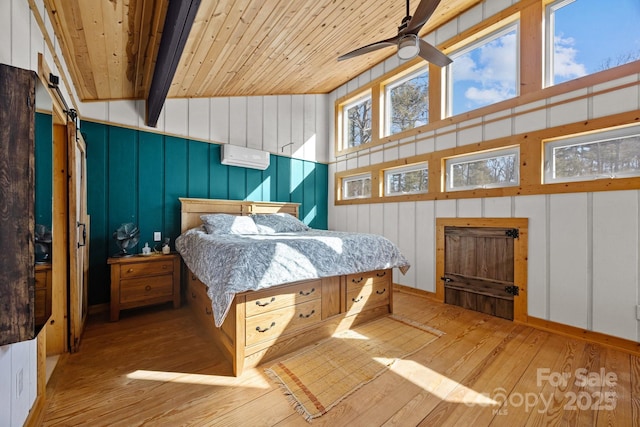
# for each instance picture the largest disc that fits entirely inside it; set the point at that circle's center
(137, 281)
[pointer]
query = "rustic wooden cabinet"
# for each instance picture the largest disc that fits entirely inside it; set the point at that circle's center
(144, 280)
(17, 194)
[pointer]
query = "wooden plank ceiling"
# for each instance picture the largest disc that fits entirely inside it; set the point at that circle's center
(235, 48)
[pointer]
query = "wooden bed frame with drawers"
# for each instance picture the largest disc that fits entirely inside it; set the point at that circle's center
(262, 325)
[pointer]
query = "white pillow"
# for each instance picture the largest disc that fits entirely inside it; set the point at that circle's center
(229, 224)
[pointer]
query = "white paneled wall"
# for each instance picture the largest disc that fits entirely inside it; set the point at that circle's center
(287, 125)
(584, 261)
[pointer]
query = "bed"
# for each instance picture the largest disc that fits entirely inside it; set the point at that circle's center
(264, 318)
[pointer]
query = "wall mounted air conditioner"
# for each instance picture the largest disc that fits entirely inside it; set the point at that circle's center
(234, 155)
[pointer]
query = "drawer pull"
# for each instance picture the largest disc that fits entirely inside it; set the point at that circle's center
(147, 288)
(265, 329)
(384, 273)
(264, 304)
(208, 311)
(382, 291)
(193, 277)
(357, 299)
(306, 316)
(130, 270)
(193, 295)
(357, 280)
(304, 294)
(165, 266)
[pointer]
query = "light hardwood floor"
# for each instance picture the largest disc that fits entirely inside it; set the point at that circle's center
(154, 367)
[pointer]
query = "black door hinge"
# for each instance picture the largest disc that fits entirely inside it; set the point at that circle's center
(514, 232)
(513, 290)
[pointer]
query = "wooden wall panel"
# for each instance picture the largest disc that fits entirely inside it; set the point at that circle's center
(615, 255)
(138, 176)
(569, 259)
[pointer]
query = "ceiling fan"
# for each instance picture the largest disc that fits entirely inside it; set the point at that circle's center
(409, 43)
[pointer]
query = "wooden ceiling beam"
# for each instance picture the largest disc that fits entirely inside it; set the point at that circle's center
(177, 25)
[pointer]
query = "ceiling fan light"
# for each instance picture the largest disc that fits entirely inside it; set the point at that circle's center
(408, 47)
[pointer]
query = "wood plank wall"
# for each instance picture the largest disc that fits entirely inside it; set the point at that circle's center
(138, 176)
(584, 256)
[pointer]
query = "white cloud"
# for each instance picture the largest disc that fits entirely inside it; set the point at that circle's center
(564, 59)
(488, 95)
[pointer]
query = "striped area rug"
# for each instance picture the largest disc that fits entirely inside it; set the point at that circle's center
(319, 376)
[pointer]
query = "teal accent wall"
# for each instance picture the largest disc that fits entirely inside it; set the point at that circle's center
(44, 169)
(137, 176)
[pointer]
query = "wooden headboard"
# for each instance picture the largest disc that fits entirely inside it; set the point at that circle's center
(193, 208)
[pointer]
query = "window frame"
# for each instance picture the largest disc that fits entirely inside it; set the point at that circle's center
(413, 167)
(476, 156)
(602, 135)
(447, 72)
(352, 178)
(387, 98)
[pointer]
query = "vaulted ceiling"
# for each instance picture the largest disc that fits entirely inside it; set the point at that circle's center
(234, 48)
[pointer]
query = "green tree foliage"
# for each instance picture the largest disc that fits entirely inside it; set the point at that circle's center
(495, 170)
(600, 158)
(359, 123)
(410, 104)
(403, 182)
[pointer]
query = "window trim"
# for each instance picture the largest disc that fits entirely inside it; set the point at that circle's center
(408, 168)
(447, 86)
(352, 178)
(403, 78)
(582, 139)
(475, 156)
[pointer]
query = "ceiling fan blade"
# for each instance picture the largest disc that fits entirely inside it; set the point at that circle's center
(433, 55)
(370, 48)
(422, 14)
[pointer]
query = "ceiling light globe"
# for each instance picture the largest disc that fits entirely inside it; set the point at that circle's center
(408, 47)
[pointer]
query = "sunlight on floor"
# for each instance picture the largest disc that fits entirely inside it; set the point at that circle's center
(439, 385)
(181, 377)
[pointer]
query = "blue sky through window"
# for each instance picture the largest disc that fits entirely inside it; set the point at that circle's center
(593, 35)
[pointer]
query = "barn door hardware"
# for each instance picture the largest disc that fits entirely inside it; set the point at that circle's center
(446, 279)
(513, 290)
(514, 233)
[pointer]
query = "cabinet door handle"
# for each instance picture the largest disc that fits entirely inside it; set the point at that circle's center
(357, 299)
(382, 291)
(265, 329)
(304, 294)
(84, 234)
(264, 304)
(130, 270)
(306, 316)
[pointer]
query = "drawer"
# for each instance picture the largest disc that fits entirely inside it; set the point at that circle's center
(368, 297)
(281, 296)
(355, 281)
(271, 325)
(148, 268)
(142, 289)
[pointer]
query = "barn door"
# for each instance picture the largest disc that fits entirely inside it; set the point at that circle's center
(78, 237)
(479, 269)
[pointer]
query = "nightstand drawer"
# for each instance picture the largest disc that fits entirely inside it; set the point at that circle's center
(143, 289)
(140, 269)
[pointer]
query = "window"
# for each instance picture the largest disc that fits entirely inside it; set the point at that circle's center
(489, 169)
(407, 102)
(412, 179)
(484, 72)
(613, 153)
(357, 122)
(356, 187)
(587, 36)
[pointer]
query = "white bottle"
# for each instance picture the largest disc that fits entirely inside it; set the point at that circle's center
(146, 250)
